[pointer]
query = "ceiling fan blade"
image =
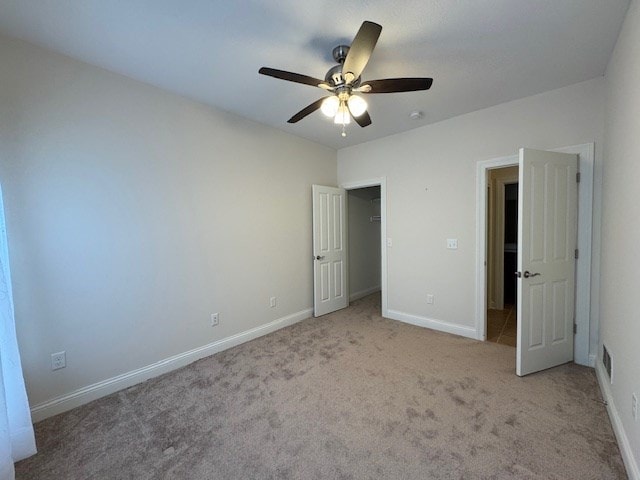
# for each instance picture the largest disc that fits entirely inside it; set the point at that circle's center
(360, 50)
(363, 120)
(294, 77)
(306, 111)
(393, 85)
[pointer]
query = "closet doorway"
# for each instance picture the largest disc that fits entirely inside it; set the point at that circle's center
(364, 216)
(502, 255)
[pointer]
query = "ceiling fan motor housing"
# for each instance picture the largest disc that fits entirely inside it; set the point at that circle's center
(335, 78)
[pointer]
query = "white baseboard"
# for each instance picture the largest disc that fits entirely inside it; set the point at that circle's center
(630, 462)
(363, 293)
(100, 389)
(433, 324)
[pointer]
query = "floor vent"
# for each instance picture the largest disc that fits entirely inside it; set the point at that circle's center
(606, 360)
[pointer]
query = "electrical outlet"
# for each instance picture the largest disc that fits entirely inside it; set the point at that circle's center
(430, 299)
(634, 406)
(215, 319)
(58, 360)
(452, 243)
(272, 302)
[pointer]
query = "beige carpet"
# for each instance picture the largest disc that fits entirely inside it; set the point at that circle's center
(346, 396)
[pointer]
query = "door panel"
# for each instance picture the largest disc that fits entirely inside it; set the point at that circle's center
(547, 235)
(338, 275)
(536, 316)
(323, 226)
(324, 282)
(338, 221)
(329, 249)
(560, 311)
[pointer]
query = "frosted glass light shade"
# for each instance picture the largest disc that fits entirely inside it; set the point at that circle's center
(330, 106)
(357, 105)
(342, 116)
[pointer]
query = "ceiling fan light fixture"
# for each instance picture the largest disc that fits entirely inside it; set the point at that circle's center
(330, 106)
(357, 105)
(343, 117)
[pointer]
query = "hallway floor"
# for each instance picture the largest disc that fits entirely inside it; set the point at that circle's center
(502, 325)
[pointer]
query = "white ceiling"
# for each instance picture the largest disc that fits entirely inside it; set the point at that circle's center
(479, 52)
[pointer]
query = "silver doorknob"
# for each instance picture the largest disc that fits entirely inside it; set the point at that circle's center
(527, 274)
(319, 257)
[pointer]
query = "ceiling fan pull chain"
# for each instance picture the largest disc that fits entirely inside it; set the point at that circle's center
(344, 130)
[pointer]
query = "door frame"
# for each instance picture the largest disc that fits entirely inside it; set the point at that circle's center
(382, 183)
(586, 156)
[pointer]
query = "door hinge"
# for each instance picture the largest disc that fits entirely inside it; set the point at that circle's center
(576, 253)
(575, 328)
(577, 177)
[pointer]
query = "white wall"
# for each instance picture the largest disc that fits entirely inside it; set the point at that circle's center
(620, 317)
(364, 244)
(431, 192)
(133, 214)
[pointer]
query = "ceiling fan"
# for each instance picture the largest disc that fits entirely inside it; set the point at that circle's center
(343, 81)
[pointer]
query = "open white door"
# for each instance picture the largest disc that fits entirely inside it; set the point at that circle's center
(547, 229)
(330, 291)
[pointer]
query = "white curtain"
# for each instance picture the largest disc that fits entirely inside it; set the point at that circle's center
(16, 431)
